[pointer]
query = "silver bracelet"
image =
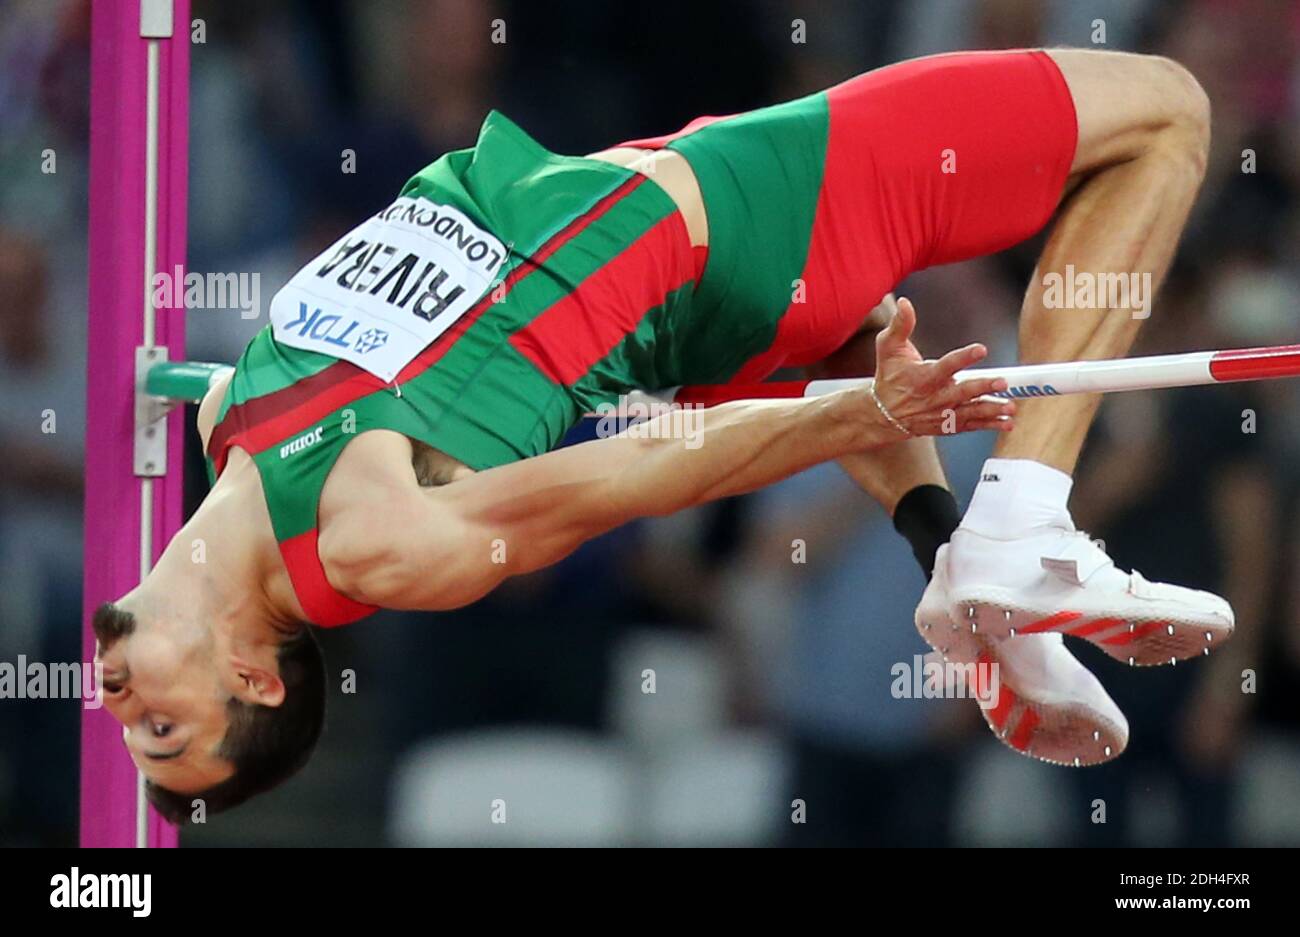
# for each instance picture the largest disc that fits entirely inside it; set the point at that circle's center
(889, 417)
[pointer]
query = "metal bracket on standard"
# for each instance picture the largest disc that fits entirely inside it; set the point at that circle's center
(156, 19)
(161, 386)
(149, 446)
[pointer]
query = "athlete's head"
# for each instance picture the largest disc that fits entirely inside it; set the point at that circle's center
(207, 716)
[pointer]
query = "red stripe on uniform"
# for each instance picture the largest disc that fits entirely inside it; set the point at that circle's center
(427, 358)
(309, 409)
(577, 331)
(255, 424)
(322, 603)
(246, 419)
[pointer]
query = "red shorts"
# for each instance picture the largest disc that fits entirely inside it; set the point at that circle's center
(850, 190)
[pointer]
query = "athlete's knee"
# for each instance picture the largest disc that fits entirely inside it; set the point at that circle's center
(1130, 105)
(1184, 111)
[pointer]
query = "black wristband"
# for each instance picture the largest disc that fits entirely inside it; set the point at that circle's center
(927, 515)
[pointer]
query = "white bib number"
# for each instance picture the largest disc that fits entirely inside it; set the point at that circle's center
(389, 287)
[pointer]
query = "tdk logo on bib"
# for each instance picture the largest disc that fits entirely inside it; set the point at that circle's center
(371, 339)
(334, 330)
(313, 324)
(389, 287)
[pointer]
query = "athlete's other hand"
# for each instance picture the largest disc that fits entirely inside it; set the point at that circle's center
(922, 395)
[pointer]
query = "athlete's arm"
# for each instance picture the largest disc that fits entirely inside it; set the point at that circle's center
(465, 538)
(206, 418)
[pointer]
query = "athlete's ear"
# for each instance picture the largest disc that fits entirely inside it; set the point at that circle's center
(256, 685)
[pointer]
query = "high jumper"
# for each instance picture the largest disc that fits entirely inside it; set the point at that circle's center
(387, 439)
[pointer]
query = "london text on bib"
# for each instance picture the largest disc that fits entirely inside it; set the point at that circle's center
(389, 287)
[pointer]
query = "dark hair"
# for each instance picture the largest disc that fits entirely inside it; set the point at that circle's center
(267, 744)
(110, 624)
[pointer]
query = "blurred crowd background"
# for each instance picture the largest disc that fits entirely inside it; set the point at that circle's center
(772, 678)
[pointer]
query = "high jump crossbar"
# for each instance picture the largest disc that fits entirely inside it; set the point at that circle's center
(1153, 372)
(173, 382)
(139, 101)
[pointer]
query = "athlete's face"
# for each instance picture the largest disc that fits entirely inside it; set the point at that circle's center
(163, 685)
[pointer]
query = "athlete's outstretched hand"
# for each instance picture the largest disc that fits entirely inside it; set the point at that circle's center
(921, 396)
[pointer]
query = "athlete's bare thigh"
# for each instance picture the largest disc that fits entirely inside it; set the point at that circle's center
(1115, 122)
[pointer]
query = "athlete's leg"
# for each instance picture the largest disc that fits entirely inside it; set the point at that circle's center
(1070, 715)
(995, 181)
(1144, 128)
(1017, 565)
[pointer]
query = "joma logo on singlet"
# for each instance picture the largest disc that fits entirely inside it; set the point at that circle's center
(302, 442)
